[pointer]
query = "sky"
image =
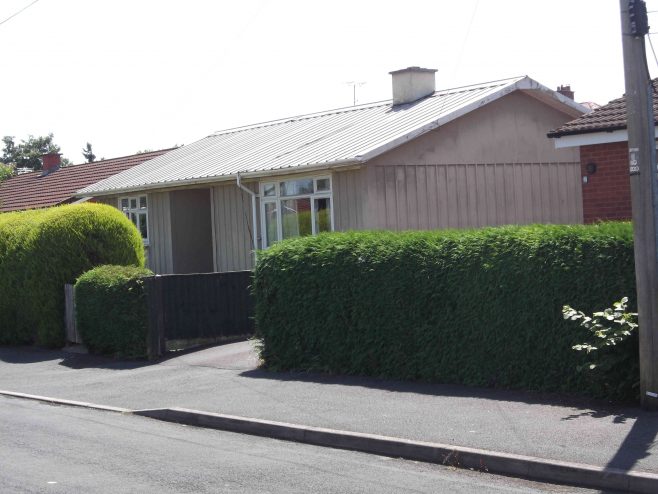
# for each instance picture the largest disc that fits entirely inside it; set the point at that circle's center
(132, 75)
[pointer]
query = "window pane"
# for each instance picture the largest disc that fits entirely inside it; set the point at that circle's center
(296, 187)
(323, 215)
(296, 217)
(142, 225)
(133, 203)
(142, 202)
(323, 184)
(133, 218)
(269, 190)
(124, 203)
(270, 223)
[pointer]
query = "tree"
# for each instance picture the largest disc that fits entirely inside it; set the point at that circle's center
(88, 153)
(6, 171)
(28, 153)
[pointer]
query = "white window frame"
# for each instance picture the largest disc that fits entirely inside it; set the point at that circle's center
(277, 198)
(137, 211)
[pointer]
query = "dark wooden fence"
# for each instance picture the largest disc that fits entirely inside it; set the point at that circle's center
(192, 309)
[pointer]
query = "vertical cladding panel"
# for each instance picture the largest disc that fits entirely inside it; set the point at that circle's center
(563, 197)
(432, 194)
(493, 189)
(504, 207)
(544, 176)
(410, 191)
(442, 196)
(481, 195)
(391, 218)
(471, 194)
(467, 196)
(452, 205)
(160, 241)
(422, 199)
(526, 190)
(349, 194)
(233, 224)
(377, 198)
(401, 198)
(554, 193)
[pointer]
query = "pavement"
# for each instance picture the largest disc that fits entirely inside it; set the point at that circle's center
(226, 380)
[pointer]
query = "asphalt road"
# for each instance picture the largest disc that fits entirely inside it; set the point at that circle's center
(224, 380)
(54, 449)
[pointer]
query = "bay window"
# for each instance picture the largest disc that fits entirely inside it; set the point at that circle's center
(295, 208)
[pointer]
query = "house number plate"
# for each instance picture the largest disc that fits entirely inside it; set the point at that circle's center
(633, 163)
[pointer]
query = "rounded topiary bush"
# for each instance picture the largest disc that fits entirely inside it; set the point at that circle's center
(111, 311)
(41, 250)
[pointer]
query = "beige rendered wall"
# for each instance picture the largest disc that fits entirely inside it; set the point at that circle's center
(511, 129)
(233, 227)
(493, 166)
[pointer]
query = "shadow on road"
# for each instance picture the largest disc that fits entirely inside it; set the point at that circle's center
(28, 355)
(585, 406)
(33, 355)
(638, 444)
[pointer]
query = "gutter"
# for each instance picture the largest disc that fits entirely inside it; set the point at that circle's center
(293, 170)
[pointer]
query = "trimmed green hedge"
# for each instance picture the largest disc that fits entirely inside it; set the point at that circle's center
(41, 250)
(111, 311)
(478, 307)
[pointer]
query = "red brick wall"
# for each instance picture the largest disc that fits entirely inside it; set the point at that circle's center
(607, 193)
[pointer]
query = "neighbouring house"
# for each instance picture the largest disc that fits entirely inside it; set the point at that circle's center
(601, 139)
(55, 185)
(463, 157)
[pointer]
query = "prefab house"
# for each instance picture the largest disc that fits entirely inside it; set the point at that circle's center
(463, 157)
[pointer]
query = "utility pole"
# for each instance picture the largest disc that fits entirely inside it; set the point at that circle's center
(644, 190)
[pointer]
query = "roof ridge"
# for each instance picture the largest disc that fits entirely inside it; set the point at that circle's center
(345, 109)
(164, 150)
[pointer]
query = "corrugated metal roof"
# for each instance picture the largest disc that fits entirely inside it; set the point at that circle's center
(348, 135)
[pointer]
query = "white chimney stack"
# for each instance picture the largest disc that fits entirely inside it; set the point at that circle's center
(412, 84)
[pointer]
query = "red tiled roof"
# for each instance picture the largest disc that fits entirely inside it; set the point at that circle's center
(31, 190)
(605, 118)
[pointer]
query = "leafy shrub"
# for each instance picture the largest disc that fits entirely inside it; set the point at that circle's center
(612, 349)
(111, 310)
(41, 250)
(478, 307)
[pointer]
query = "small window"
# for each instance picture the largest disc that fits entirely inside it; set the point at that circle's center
(296, 187)
(322, 185)
(269, 190)
(136, 209)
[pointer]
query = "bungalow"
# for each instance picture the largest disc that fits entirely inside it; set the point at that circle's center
(464, 157)
(54, 186)
(601, 139)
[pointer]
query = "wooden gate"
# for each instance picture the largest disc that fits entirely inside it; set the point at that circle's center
(193, 309)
